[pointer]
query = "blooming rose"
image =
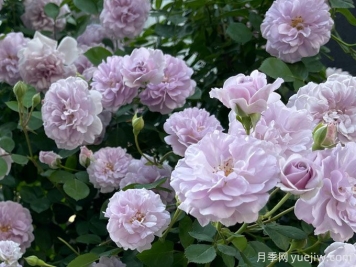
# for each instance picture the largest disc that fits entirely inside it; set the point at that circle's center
(296, 28)
(247, 94)
(300, 176)
(50, 158)
(136, 216)
(339, 254)
(188, 127)
(16, 224)
(332, 209)
(70, 113)
(10, 252)
(108, 167)
(93, 35)
(9, 47)
(288, 129)
(108, 81)
(35, 18)
(143, 66)
(7, 157)
(173, 91)
(332, 102)
(225, 179)
(124, 18)
(41, 62)
(105, 261)
(330, 71)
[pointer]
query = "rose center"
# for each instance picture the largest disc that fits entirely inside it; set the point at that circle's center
(5, 228)
(297, 23)
(140, 217)
(109, 166)
(226, 167)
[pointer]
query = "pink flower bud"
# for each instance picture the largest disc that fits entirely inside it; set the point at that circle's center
(50, 158)
(85, 156)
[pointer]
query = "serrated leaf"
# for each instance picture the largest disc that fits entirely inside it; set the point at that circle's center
(200, 253)
(88, 239)
(228, 260)
(19, 159)
(231, 251)
(88, 6)
(276, 68)
(201, 237)
(278, 239)
(83, 260)
(239, 32)
(161, 254)
(240, 242)
(185, 225)
(97, 54)
(3, 167)
(7, 144)
(76, 189)
(288, 231)
(51, 10)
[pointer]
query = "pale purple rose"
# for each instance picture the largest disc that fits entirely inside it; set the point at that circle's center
(333, 101)
(300, 176)
(82, 63)
(288, 129)
(143, 66)
(333, 208)
(173, 91)
(188, 127)
(124, 18)
(247, 94)
(9, 47)
(86, 156)
(105, 118)
(105, 261)
(10, 252)
(16, 224)
(7, 157)
(296, 28)
(41, 62)
(35, 18)
(70, 113)
(140, 173)
(225, 179)
(330, 71)
(338, 254)
(50, 158)
(108, 167)
(136, 216)
(3, 264)
(108, 81)
(92, 36)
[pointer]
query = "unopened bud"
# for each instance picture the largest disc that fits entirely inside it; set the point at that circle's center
(36, 99)
(324, 136)
(34, 261)
(137, 124)
(20, 89)
(85, 156)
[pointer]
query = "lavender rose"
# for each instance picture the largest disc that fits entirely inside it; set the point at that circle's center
(105, 261)
(50, 158)
(10, 252)
(339, 254)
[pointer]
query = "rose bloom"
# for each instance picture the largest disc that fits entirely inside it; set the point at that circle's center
(105, 261)
(50, 158)
(188, 127)
(296, 28)
(288, 129)
(331, 102)
(108, 81)
(339, 254)
(332, 209)
(136, 216)
(140, 173)
(16, 224)
(93, 35)
(300, 176)
(124, 18)
(41, 62)
(35, 18)
(225, 179)
(10, 252)
(247, 94)
(70, 113)
(330, 71)
(7, 157)
(9, 47)
(108, 167)
(173, 91)
(143, 66)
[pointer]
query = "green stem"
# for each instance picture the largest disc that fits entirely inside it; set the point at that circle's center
(311, 247)
(273, 192)
(279, 204)
(176, 215)
(140, 151)
(165, 156)
(69, 246)
(337, 39)
(68, 169)
(279, 215)
(238, 232)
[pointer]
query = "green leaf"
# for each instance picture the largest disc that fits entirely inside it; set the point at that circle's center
(7, 144)
(66, 153)
(161, 254)
(51, 10)
(61, 177)
(13, 105)
(197, 94)
(199, 253)
(240, 242)
(299, 70)
(76, 189)
(40, 204)
(288, 231)
(313, 64)
(228, 260)
(3, 167)
(276, 68)
(83, 260)
(201, 236)
(185, 225)
(158, 4)
(227, 250)
(239, 32)
(208, 230)
(88, 239)
(82, 176)
(278, 239)
(71, 162)
(88, 6)
(348, 15)
(27, 99)
(19, 159)
(97, 54)
(341, 4)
